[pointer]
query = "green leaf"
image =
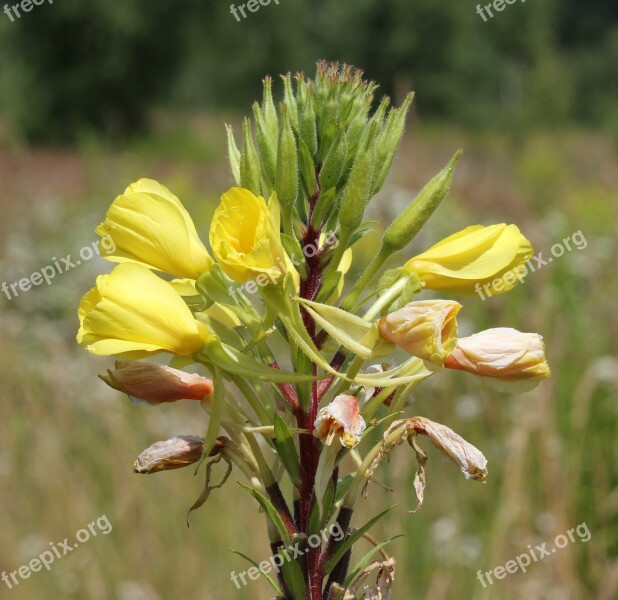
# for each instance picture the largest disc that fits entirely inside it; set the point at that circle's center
(287, 449)
(346, 544)
(233, 361)
(363, 562)
(295, 252)
(324, 206)
(270, 580)
(348, 329)
(294, 578)
(412, 370)
(343, 486)
(271, 512)
(329, 285)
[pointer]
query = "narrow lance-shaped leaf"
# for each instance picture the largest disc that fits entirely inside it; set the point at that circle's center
(287, 449)
(271, 512)
(270, 580)
(346, 544)
(294, 577)
(363, 562)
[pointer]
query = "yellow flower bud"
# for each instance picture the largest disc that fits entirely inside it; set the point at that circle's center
(133, 312)
(155, 383)
(507, 358)
(341, 419)
(150, 226)
(470, 258)
(426, 329)
(245, 238)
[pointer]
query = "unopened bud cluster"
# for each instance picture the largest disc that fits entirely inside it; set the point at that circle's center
(324, 141)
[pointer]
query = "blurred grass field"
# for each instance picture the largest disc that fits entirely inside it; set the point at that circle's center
(67, 442)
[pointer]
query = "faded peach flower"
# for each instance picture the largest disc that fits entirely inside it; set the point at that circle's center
(340, 419)
(512, 359)
(155, 383)
(175, 453)
(464, 455)
(426, 329)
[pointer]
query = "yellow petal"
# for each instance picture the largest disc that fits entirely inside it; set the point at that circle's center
(472, 257)
(151, 227)
(131, 310)
(245, 237)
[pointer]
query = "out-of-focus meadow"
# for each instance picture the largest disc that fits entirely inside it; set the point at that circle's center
(67, 442)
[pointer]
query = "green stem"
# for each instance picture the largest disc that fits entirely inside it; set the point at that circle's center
(374, 266)
(385, 299)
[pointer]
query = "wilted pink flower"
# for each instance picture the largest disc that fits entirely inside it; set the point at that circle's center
(340, 419)
(156, 384)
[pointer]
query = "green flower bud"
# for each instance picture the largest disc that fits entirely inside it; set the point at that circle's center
(286, 184)
(403, 229)
(307, 124)
(266, 145)
(268, 109)
(334, 161)
(290, 99)
(358, 188)
(357, 127)
(233, 154)
(389, 140)
(250, 162)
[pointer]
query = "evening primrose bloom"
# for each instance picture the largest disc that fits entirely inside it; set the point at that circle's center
(426, 328)
(245, 238)
(151, 227)
(341, 419)
(473, 257)
(508, 359)
(133, 312)
(156, 384)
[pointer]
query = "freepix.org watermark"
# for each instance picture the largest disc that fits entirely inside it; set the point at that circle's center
(58, 266)
(520, 272)
(252, 6)
(58, 550)
(24, 6)
(497, 5)
(276, 561)
(523, 561)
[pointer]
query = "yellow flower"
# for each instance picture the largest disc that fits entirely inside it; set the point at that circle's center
(245, 238)
(426, 329)
(150, 226)
(508, 359)
(133, 312)
(475, 256)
